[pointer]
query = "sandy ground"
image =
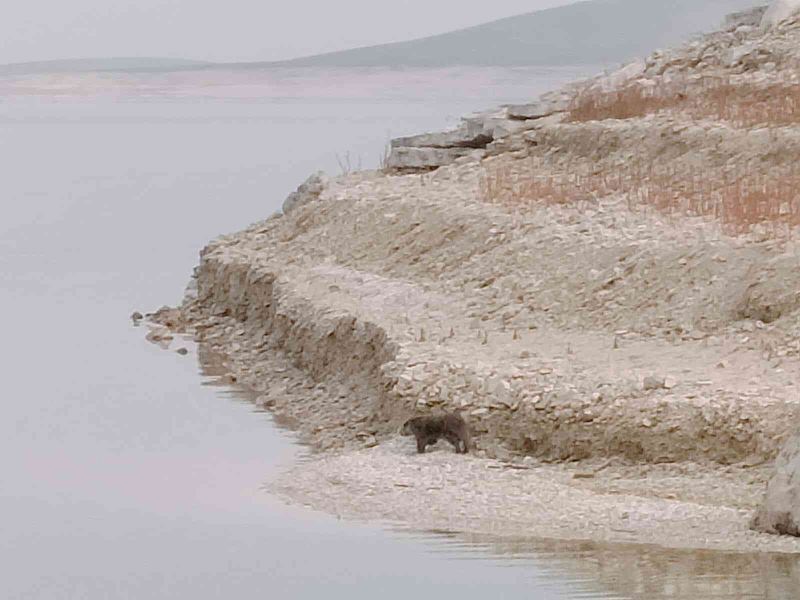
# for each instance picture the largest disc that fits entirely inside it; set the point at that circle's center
(676, 505)
(680, 506)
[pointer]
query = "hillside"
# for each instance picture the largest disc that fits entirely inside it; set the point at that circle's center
(593, 32)
(99, 64)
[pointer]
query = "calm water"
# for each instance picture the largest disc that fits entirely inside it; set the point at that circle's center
(125, 473)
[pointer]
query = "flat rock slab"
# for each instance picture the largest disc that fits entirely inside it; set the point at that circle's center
(458, 138)
(425, 158)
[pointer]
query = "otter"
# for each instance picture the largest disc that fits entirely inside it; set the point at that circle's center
(429, 429)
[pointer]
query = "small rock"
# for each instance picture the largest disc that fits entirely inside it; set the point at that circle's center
(265, 402)
(653, 383)
(182, 351)
(159, 335)
(136, 317)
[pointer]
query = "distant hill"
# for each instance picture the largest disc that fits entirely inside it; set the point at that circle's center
(593, 32)
(99, 64)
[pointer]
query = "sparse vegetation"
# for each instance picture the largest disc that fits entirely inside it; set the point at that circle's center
(739, 200)
(740, 104)
(740, 196)
(346, 165)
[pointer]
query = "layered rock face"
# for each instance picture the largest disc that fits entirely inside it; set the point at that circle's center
(547, 330)
(468, 142)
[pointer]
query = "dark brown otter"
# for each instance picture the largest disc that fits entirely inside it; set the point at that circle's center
(429, 429)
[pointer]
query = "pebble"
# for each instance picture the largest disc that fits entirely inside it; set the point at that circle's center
(653, 383)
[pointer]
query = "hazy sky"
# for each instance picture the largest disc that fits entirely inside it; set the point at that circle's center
(227, 30)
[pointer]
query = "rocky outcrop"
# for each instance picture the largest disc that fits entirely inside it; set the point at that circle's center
(410, 293)
(430, 151)
(308, 191)
(780, 511)
(738, 48)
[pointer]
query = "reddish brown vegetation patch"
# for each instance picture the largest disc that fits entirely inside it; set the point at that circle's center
(739, 200)
(739, 104)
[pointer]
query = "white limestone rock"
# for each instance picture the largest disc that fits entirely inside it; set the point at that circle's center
(543, 107)
(779, 11)
(780, 511)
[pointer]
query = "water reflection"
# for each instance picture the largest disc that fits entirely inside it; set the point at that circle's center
(635, 571)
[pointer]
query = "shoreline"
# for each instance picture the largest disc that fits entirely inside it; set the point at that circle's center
(678, 506)
(682, 506)
(603, 282)
(532, 501)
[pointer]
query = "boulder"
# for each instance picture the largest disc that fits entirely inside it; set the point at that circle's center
(308, 191)
(737, 54)
(745, 18)
(653, 382)
(778, 11)
(780, 511)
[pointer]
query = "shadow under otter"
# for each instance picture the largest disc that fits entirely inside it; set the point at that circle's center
(428, 430)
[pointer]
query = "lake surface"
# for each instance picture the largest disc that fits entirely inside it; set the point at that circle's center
(126, 471)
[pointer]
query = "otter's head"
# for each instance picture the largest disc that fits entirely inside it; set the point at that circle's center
(406, 429)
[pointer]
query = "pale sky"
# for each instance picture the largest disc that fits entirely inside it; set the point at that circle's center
(230, 30)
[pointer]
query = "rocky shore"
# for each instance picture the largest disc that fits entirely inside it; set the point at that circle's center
(604, 283)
